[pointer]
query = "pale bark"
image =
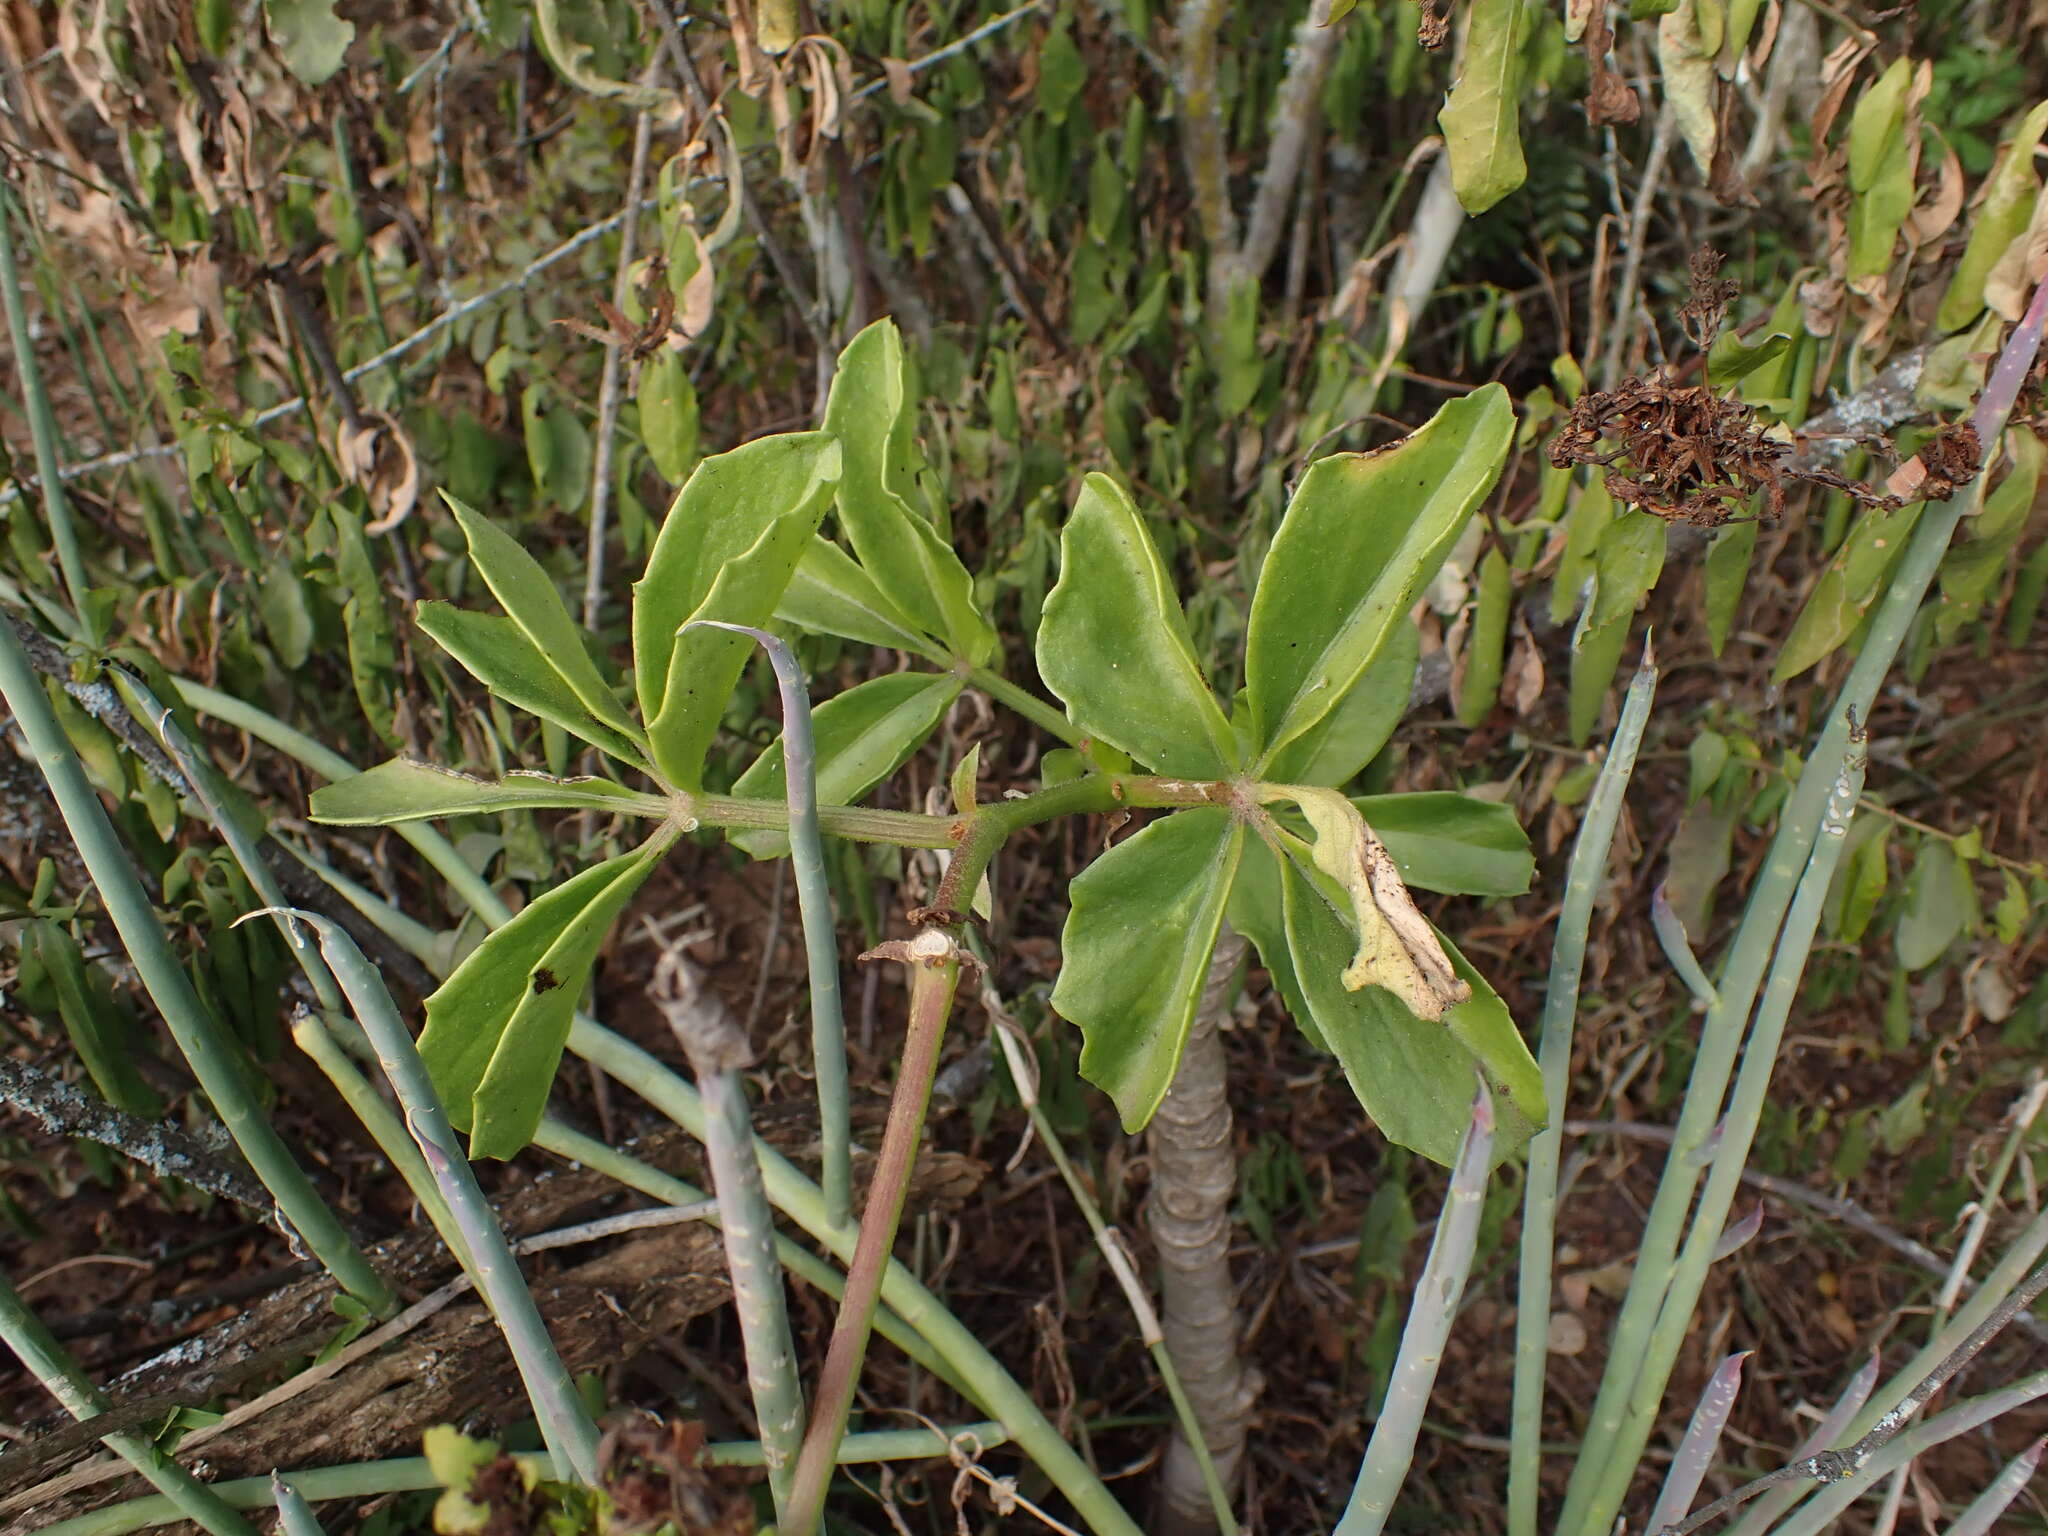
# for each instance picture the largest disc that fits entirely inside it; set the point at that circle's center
(1194, 1177)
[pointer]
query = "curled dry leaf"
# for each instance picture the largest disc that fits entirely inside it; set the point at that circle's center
(1608, 97)
(1397, 949)
(377, 455)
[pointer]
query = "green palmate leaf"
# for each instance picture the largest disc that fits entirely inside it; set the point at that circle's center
(870, 412)
(668, 415)
(405, 790)
(1113, 644)
(1337, 747)
(1457, 844)
(831, 595)
(2002, 216)
(861, 737)
(498, 654)
(1159, 896)
(311, 37)
(1413, 1078)
(1853, 580)
(1363, 535)
(1482, 128)
(726, 551)
(530, 600)
(1625, 567)
(705, 664)
(496, 1027)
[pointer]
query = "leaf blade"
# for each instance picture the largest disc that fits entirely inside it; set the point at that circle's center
(1115, 602)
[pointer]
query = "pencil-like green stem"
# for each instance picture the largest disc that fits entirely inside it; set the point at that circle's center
(42, 425)
(571, 1437)
(933, 959)
(366, 1479)
(312, 1035)
(1433, 1309)
(792, 1255)
(1740, 1120)
(821, 934)
(792, 1193)
(294, 1514)
(1583, 879)
(1756, 939)
(184, 1496)
(220, 1073)
(203, 780)
(718, 1053)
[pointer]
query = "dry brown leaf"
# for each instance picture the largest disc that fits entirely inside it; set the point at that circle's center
(2012, 277)
(1937, 216)
(1766, 37)
(1522, 678)
(1837, 75)
(897, 73)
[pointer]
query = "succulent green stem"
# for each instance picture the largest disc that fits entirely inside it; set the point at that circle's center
(184, 1496)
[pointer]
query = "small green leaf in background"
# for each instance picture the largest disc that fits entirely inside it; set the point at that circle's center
(1940, 906)
(406, 790)
(2009, 917)
(1625, 567)
(1860, 879)
(668, 415)
(1853, 580)
(726, 551)
(1113, 644)
(1731, 357)
(496, 1027)
(311, 38)
(1362, 536)
(498, 654)
(1705, 759)
(103, 1033)
(860, 736)
(1159, 895)
(1727, 575)
(1480, 120)
(1975, 567)
(2003, 212)
(287, 614)
(558, 451)
(872, 415)
(1876, 123)
(1486, 643)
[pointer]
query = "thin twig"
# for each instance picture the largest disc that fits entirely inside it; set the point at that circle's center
(958, 46)
(1293, 124)
(609, 388)
(65, 1110)
(1638, 237)
(1203, 143)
